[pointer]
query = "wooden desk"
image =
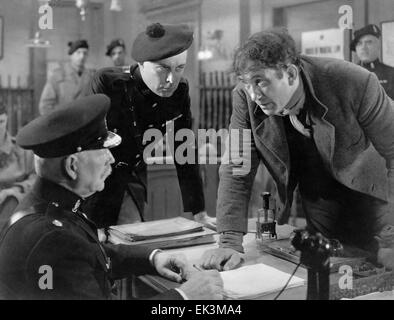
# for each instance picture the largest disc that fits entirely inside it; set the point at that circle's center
(149, 285)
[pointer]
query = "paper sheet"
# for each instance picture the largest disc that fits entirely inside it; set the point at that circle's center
(255, 280)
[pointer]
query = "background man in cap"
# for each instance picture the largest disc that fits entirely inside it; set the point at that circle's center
(153, 93)
(324, 125)
(66, 82)
(366, 43)
(49, 231)
(116, 50)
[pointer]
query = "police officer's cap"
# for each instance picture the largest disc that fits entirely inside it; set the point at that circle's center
(115, 43)
(371, 29)
(74, 46)
(77, 126)
(161, 41)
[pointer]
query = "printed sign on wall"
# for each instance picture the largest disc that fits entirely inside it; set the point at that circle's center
(327, 43)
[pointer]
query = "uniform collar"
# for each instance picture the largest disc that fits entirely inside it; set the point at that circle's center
(57, 195)
(370, 65)
(71, 71)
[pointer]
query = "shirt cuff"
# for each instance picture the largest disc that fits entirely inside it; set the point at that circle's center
(232, 240)
(184, 296)
(152, 256)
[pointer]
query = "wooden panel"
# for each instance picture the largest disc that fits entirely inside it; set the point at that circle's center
(164, 194)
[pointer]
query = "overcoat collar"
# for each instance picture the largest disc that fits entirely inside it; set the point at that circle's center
(270, 129)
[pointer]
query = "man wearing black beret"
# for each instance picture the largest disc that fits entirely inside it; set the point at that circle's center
(116, 50)
(66, 82)
(366, 44)
(51, 250)
(153, 93)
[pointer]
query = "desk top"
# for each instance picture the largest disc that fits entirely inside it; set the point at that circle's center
(253, 254)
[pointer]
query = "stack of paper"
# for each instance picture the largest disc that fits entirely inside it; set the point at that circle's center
(253, 281)
(162, 234)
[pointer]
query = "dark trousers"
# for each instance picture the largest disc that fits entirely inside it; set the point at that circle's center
(350, 217)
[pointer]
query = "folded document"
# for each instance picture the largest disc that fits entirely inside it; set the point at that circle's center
(252, 281)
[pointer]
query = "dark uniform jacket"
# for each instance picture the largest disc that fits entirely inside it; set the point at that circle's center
(134, 109)
(54, 234)
(384, 73)
(352, 124)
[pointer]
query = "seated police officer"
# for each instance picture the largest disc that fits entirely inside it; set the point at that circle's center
(51, 249)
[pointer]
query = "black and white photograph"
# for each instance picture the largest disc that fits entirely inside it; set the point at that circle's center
(213, 152)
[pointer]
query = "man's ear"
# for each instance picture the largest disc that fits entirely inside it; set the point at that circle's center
(70, 166)
(293, 73)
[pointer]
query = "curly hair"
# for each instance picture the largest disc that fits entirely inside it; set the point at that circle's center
(273, 48)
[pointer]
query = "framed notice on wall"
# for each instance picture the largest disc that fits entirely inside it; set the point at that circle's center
(327, 43)
(388, 42)
(1, 36)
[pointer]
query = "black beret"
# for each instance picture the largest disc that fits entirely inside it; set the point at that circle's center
(371, 29)
(161, 41)
(115, 43)
(74, 46)
(77, 126)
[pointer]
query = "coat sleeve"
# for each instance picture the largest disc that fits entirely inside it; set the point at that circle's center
(128, 260)
(95, 85)
(236, 180)
(376, 116)
(72, 268)
(49, 97)
(189, 175)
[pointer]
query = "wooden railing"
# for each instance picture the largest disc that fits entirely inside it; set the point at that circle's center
(215, 99)
(19, 101)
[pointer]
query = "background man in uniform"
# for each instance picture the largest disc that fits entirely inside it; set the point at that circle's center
(153, 93)
(367, 45)
(48, 229)
(66, 83)
(315, 123)
(116, 51)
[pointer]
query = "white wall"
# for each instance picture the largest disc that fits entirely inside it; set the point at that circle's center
(16, 28)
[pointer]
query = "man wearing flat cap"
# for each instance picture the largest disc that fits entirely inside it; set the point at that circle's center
(66, 82)
(116, 51)
(151, 95)
(366, 44)
(51, 250)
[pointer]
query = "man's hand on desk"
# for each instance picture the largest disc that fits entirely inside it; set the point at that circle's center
(171, 266)
(221, 259)
(206, 220)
